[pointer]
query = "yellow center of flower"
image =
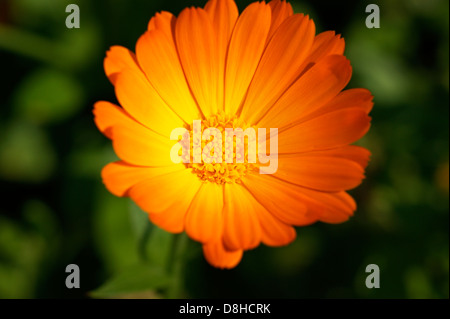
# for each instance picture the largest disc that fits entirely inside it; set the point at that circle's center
(222, 157)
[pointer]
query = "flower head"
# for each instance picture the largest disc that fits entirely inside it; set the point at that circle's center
(262, 76)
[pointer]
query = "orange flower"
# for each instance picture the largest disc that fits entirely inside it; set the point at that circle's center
(264, 68)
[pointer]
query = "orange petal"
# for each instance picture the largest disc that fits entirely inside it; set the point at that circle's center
(138, 145)
(361, 98)
(140, 100)
(204, 219)
(241, 224)
(279, 198)
(281, 10)
(320, 171)
(299, 206)
(219, 257)
(158, 57)
(166, 206)
(161, 194)
(106, 115)
(311, 91)
(119, 176)
(273, 231)
(172, 220)
(163, 21)
(352, 98)
(353, 153)
(223, 14)
(330, 207)
(117, 59)
(279, 65)
(246, 47)
(327, 131)
(325, 44)
(199, 56)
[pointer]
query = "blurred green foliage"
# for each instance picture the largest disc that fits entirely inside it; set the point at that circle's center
(55, 210)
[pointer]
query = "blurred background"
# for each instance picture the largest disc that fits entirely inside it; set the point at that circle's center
(55, 211)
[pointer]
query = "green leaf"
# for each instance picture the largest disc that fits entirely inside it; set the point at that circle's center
(138, 278)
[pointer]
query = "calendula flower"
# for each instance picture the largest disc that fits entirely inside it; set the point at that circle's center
(208, 71)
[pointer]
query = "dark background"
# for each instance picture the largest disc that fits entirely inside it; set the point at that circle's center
(54, 210)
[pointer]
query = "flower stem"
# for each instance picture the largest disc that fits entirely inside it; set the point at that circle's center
(177, 269)
(142, 243)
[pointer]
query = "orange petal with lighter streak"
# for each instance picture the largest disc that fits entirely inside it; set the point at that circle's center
(204, 221)
(279, 65)
(139, 145)
(120, 176)
(141, 101)
(199, 55)
(165, 192)
(331, 130)
(311, 91)
(320, 171)
(282, 202)
(223, 15)
(245, 50)
(158, 58)
(241, 224)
